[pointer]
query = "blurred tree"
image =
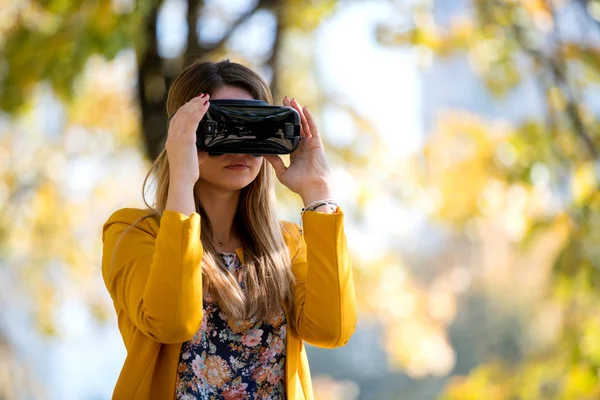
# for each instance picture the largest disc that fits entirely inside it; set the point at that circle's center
(78, 29)
(56, 42)
(155, 75)
(45, 165)
(524, 193)
(48, 237)
(53, 42)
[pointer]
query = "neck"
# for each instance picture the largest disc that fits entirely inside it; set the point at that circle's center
(220, 206)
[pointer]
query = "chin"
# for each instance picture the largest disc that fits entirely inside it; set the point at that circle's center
(231, 184)
(237, 186)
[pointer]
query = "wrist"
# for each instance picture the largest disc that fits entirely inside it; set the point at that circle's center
(180, 198)
(182, 181)
(316, 194)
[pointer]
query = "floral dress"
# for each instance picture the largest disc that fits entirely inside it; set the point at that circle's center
(233, 360)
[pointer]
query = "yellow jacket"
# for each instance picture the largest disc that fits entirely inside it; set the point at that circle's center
(155, 282)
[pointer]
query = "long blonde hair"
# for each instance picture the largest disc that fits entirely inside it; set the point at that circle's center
(268, 277)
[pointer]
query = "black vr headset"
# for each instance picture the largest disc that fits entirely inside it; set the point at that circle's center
(248, 126)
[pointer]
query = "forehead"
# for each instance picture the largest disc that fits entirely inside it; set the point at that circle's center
(231, 92)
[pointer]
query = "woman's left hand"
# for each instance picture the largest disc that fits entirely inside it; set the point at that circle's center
(308, 173)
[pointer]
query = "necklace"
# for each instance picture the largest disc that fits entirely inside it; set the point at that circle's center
(221, 243)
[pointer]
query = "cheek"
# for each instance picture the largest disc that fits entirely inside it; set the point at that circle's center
(257, 164)
(207, 167)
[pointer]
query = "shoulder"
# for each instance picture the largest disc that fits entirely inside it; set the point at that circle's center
(292, 235)
(290, 229)
(143, 218)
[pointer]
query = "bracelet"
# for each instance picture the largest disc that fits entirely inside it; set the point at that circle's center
(313, 206)
(316, 204)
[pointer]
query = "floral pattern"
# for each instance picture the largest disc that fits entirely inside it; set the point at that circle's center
(233, 360)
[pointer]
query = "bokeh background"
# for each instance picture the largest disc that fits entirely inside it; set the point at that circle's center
(463, 136)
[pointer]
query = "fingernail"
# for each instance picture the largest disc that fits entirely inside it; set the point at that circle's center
(202, 94)
(205, 102)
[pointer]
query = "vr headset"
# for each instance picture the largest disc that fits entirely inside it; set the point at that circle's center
(248, 126)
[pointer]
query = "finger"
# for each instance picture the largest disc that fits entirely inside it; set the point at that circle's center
(186, 119)
(193, 126)
(193, 102)
(197, 104)
(202, 100)
(303, 120)
(202, 97)
(201, 107)
(287, 102)
(314, 131)
(196, 113)
(277, 164)
(190, 118)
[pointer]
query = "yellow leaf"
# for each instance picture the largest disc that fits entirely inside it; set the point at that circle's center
(583, 183)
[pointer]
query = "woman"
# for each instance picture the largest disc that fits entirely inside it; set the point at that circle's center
(214, 295)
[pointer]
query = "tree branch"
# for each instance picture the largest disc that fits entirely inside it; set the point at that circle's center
(193, 46)
(561, 78)
(197, 48)
(557, 69)
(272, 61)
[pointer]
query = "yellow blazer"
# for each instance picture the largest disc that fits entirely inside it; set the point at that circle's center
(155, 281)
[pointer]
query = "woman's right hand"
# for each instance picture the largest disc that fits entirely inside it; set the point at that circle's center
(184, 158)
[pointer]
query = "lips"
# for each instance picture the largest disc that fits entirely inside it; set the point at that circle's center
(237, 165)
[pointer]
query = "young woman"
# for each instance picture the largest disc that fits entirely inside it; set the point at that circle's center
(214, 295)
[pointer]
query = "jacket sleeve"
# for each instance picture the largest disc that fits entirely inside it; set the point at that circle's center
(155, 279)
(324, 300)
